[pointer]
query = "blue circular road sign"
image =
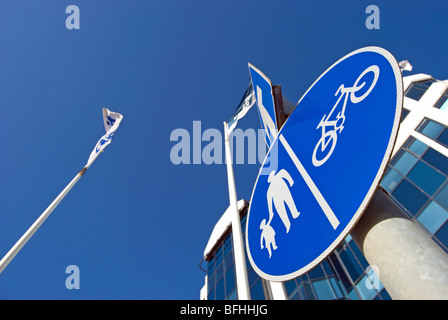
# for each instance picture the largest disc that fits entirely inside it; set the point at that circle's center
(325, 164)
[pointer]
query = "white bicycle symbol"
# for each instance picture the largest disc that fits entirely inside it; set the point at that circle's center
(327, 142)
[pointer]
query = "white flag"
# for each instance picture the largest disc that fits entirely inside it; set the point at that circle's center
(111, 122)
(246, 103)
(405, 65)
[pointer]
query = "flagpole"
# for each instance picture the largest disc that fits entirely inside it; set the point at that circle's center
(29, 233)
(111, 122)
(242, 282)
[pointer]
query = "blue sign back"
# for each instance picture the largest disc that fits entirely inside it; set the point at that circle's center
(331, 154)
(265, 103)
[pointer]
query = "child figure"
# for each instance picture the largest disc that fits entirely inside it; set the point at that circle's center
(268, 235)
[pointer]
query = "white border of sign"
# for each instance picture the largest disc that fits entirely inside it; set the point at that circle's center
(399, 104)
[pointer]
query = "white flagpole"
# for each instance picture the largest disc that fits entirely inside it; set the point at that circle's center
(29, 233)
(242, 282)
(114, 120)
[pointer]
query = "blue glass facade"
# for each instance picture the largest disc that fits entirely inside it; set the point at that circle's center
(416, 90)
(221, 284)
(442, 104)
(417, 180)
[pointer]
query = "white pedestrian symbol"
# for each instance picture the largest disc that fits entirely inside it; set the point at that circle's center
(268, 235)
(278, 194)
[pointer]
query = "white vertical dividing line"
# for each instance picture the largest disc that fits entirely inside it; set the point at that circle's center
(309, 182)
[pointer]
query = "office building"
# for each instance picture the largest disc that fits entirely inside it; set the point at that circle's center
(416, 179)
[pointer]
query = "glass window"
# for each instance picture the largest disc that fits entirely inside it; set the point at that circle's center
(327, 267)
(337, 287)
(365, 287)
(437, 160)
(316, 272)
(211, 283)
(227, 245)
(416, 90)
(443, 138)
(430, 128)
(219, 272)
(296, 296)
(210, 267)
(230, 281)
(307, 291)
(243, 223)
(228, 261)
(384, 295)
(418, 147)
(352, 295)
(442, 234)
(348, 238)
(252, 276)
(300, 293)
(232, 295)
(218, 256)
(220, 290)
(433, 217)
(323, 290)
(362, 260)
(409, 196)
(256, 292)
(442, 196)
(405, 162)
(391, 179)
(351, 264)
(442, 104)
(290, 286)
(211, 295)
(404, 114)
(426, 177)
(340, 272)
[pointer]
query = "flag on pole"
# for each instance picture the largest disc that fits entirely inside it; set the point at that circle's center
(246, 103)
(111, 122)
(405, 65)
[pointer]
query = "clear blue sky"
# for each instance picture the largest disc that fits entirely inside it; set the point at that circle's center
(136, 225)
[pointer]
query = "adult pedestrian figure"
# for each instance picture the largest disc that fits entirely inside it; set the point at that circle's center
(279, 195)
